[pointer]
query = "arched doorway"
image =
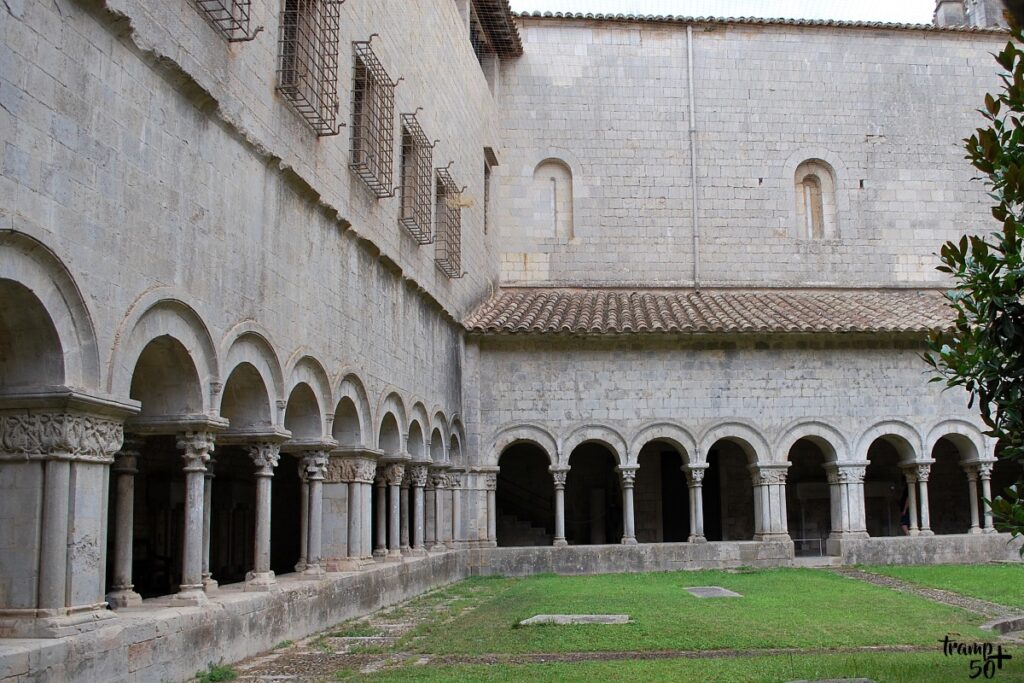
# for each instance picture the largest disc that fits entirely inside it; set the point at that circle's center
(525, 497)
(728, 493)
(808, 497)
(661, 496)
(593, 497)
(289, 499)
(949, 499)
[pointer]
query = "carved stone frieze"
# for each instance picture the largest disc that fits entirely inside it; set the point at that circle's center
(59, 434)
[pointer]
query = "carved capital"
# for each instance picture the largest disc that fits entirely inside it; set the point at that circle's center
(849, 474)
(364, 471)
(315, 464)
(196, 448)
(695, 475)
(43, 434)
(126, 461)
(418, 474)
(393, 474)
(559, 476)
(985, 470)
(265, 456)
(768, 476)
(923, 471)
(455, 479)
(628, 477)
(491, 481)
(438, 480)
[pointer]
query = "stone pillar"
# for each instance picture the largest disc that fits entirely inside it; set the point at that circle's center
(922, 482)
(455, 478)
(122, 592)
(694, 480)
(770, 496)
(628, 477)
(403, 505)
(559, 475)
(438, 479)
(380, 481)
(491, 485)
(353, 468)
(196, 447)
(265, 457)
(394, 473)
(418, 474)
(985, 473)
(315, 464)
(209, 584)
(972, 492)
(910, 474)
(366, 487)
(300, 566)
(846, 497)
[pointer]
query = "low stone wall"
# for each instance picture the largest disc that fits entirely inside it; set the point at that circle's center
(952, 549)
(153, 644)
(605, 559)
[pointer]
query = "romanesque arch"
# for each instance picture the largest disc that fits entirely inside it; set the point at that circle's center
(891, 449)
(249, 343)
(662, 497)
(391, 421)
(598, 434)
(955, 448)
(308, 371)
(524, 454)
(810, 447)
(732, 450)
(351, 426)
(523, 433)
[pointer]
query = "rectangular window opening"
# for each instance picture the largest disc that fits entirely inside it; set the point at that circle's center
(448, 230)
(307, 73)
(373, 107)
(416, 173)
(487, 196)
(229, 17)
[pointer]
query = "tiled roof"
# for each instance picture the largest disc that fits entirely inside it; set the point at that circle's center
(671, 18)
(530, 310)
(499, 21)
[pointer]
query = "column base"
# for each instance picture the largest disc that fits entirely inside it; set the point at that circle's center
(696, 539)
(417, 552)
(560, 543)
(379, 553)
(451, 545)
(188, 596)
(313, 572)
(123, 598)
(773, 538)
(927, 532)
(438, 548)
(393, 556)
(43, 623)
(406, 550)
(629, 541)
(261, 582)
(210, 584)
(300, 566)
(974, 530)
(989, 531)
(847, 535)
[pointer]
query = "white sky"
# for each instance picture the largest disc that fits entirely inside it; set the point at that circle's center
(903, 11)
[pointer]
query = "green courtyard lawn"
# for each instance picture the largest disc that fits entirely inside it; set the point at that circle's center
(782, 608)
(999, 583)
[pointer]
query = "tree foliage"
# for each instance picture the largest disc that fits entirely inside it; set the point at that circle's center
(984, 352)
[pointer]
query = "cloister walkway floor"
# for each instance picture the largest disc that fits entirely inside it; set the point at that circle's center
(395, 644)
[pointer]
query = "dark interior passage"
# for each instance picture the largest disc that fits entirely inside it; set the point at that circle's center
(949, 502)
(808, 501)
(884, 488)
(728, 494)
(232, 515)
(285, 516)
(661, 497)
(593, 497)
(525, 497)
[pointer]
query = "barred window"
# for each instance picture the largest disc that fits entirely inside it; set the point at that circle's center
(308, 72)
(448, 230)
(416, 173)
(373, 107)
(230, 17)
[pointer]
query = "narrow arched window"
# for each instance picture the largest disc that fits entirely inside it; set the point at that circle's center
(552, 200)
(815, 195)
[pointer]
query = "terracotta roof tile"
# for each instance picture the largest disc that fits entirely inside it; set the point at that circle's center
(531, 310)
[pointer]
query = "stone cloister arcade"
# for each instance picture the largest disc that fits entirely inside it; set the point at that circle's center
(808, 486)
(147, 476)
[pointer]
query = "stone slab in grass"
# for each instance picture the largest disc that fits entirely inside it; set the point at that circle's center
(712, 592)
(569, 619)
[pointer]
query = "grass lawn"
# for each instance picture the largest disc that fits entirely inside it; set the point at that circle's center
(780, 609)
(881, 668)
(999, 583)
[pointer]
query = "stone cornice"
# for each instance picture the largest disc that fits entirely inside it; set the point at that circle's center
(175, 424)
(253, 435)
(302, 445)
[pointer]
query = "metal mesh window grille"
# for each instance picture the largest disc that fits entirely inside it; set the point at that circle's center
(416, 174)
(373, 107)
(230, 17)
(448, 231)
(307, 75)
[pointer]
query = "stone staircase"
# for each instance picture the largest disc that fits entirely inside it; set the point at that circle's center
(516, 533)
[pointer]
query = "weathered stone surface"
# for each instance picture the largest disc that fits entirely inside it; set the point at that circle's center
(711, 592)
(574, 619)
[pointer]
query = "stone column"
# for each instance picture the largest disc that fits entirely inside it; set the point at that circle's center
(910, 473)
(209, 584)
(922, 482)
(300, 566)
(380, 481)
(972, 492)
(122, 592)
(695, 480)
(403, 505)
(491, 484)
(418, 474)
(985, 474)
(628, 477)
(437, 479)
(559, 475)
(846, 497)
(265, 457)
(394, 473)
(315, 463)
(770, 495)
(366, 470)
(455, 477)
(196, 447)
